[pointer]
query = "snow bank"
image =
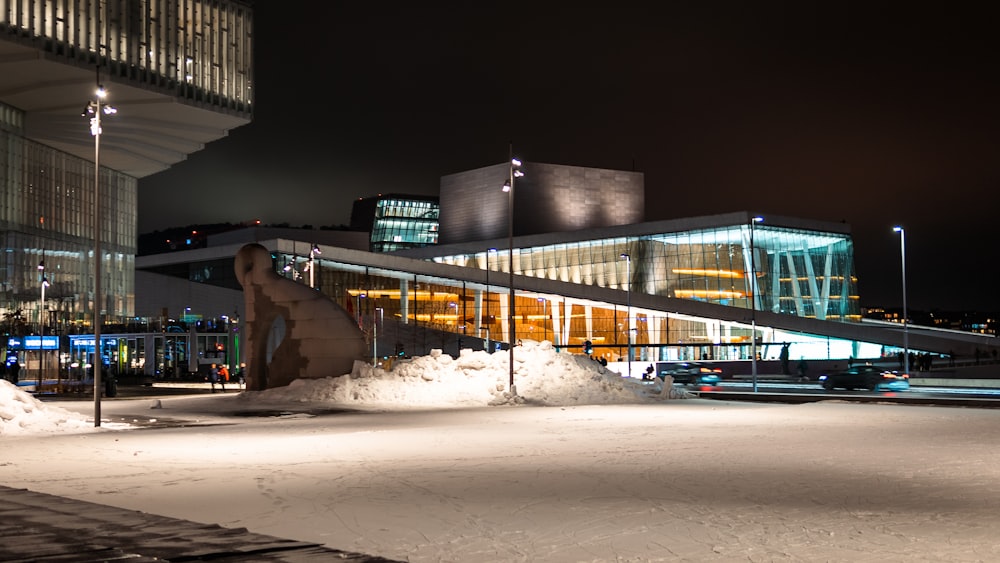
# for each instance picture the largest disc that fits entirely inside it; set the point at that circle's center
(21, 413)
(476, 378)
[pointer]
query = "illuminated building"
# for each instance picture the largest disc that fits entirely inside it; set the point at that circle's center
(690, 294)
(179, 73)
(397, 221)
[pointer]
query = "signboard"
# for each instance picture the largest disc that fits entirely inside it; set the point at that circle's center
(34, 343)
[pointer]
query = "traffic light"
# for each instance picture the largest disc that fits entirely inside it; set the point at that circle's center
(588, 347)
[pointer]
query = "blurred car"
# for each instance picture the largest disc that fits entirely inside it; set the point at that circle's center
(872, 378)
(690, 373)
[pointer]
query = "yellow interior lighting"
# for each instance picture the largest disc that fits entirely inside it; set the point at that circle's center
(395, 294)
(708, 273)
(708, 294)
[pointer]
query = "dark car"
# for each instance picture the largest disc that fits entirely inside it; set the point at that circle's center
(872, 378)
(690, 373)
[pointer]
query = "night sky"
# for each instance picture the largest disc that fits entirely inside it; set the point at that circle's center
(840, 112)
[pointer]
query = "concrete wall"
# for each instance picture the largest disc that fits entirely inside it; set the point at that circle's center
(549, 198)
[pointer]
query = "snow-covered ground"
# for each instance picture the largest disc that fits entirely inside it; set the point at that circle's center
(587, 468)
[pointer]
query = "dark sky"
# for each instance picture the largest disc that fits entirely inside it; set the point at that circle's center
(839, 112)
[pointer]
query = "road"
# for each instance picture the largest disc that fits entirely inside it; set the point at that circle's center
(788, 391)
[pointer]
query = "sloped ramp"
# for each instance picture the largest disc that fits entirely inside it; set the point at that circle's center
(37, 527)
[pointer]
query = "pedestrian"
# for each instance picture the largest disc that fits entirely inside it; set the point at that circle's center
(15, 369)
(223, 376)
(803, 368)
(783, 356)
(213, 376)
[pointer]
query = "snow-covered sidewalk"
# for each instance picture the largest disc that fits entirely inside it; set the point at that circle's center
(647, 480)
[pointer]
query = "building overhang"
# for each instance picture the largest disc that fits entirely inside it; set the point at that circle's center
(153, 129)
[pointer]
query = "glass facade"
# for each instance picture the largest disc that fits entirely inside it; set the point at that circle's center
(47, 219)
(196, 51)
(795, 271)
(404, 223)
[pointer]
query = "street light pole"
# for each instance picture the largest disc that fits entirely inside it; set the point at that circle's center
(906, 342)
(628, 308)
(95, 109)
(312, 265)
(513, 168)
(41, 325)
(375, 324)
(753, 309)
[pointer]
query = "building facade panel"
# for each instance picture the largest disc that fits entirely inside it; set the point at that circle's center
(548, 198)
(794, 271)
(47, 217)
(200, 49)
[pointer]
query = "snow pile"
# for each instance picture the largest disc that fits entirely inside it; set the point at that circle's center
(542, 376)
(20, 413)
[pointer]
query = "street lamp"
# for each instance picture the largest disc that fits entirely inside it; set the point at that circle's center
(628, 307)
(41, 324)
(375, 324)
(906, 342)
(513, 168)
(312, 265)
(753, 308)
(94, 110)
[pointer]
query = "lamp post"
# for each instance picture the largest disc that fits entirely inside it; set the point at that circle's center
(312, 265)
(95, 109)
(628, 308)
(375, 334)
(41, 325)
(513, 168)
(753, 307)
(906, 342)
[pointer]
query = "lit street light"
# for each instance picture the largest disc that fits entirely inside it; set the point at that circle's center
(628, 307)
(312, 265)
(95, 109)
(906, 340)
(753, 308)
(513, 167)
(41, 324)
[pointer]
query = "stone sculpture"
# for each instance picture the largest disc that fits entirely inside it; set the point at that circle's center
(291, 330)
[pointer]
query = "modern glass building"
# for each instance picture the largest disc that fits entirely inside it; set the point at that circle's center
(782, 266)
(397, 221)
(179, 72)
(685, 291)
